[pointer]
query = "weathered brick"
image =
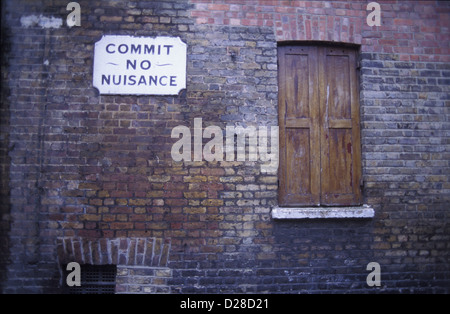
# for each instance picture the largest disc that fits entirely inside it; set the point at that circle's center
(193, 179)
(195, 194)
(75, 163)
(111, 19)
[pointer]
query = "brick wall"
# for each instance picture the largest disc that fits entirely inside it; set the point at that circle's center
(77, 165)
(4, 161)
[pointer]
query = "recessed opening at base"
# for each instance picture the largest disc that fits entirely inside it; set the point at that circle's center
(91, 279)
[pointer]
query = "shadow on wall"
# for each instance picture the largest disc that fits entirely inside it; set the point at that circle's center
(4, 149)
(320, 243)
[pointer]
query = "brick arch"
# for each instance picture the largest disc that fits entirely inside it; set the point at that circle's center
(149, 252)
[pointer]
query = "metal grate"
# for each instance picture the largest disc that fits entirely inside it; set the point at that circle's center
(95, 279)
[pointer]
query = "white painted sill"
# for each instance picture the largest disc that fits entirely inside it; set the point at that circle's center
(364, 211)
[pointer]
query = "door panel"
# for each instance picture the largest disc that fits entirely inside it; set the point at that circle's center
(299, 129)
(339, 112)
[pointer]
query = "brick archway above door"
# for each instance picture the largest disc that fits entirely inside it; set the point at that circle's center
(150, 252)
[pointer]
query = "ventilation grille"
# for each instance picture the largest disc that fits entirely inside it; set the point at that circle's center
(95, 279)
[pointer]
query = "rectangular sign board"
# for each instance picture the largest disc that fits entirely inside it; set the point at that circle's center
(126, 65)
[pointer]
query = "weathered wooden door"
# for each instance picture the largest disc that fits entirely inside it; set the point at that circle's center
(320, 162)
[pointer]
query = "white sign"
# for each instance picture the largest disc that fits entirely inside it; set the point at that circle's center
(128, 65)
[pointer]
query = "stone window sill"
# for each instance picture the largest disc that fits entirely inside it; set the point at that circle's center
(364, 212)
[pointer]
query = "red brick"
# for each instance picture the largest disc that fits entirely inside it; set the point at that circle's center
(218, 7)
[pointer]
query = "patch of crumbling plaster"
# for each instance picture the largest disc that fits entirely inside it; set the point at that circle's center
(42, 21)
